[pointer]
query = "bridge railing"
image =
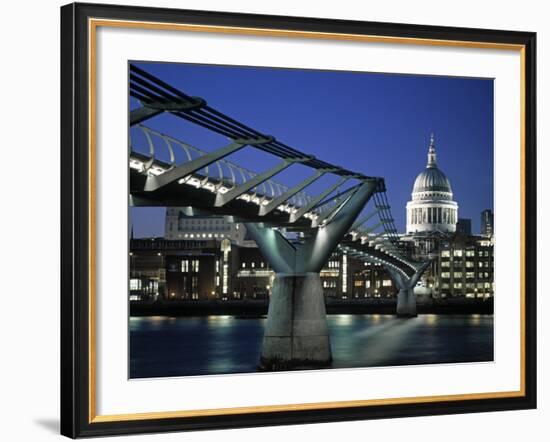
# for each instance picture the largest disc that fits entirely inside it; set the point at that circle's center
(161, 152)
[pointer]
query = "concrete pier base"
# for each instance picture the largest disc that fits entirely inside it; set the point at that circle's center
(406, 303)
(406, 299)
(296, 333)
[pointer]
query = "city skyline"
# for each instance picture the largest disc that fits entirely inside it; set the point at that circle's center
(386, 117)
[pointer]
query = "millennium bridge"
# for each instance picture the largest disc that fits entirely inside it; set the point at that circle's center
(296, 231)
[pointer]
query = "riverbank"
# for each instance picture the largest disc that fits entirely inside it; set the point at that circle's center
(255, 308)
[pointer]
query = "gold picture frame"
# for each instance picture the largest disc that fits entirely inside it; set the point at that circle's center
(79, 31)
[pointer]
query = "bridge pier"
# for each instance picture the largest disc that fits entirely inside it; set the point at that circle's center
(406, 303)
(406, 299)
(296, 333)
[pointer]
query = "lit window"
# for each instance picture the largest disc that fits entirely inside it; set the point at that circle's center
(184, 265)
(386, 283)
(457, 253)
(458, 275)
(445, 253)
(135, 284)
(195, 265)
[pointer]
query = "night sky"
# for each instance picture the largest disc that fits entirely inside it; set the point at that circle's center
(376, 124)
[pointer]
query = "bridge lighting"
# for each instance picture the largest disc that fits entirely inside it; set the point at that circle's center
(136, 164)
(210, 186)
(156, 171)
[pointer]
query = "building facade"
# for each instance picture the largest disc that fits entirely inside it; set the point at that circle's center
(180, 226)
(465, 268)
(464, 226)
(487, 223)
(217, 270)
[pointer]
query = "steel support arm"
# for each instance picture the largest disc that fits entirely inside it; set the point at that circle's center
(279, 252)
(223, 199)
(301, 212)
(143, 113)
(364, 219)
(317, 249)
(370, 229)
(156, 182)
(276, 202)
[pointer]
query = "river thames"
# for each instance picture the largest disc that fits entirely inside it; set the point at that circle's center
(162, 346)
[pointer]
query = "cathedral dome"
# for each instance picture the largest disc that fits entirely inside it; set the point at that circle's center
(432, 207)
(432, 180)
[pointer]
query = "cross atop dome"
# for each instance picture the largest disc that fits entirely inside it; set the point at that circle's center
(431, 152)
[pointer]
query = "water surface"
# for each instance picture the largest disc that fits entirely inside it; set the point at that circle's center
(183, 346)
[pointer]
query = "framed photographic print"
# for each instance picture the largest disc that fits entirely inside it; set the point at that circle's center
(274, 220)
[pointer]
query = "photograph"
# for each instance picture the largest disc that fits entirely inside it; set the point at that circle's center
(305, 219)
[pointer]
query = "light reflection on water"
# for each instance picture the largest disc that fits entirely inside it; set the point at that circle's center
(167, 346)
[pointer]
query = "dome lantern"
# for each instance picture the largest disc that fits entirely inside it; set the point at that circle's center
(432, 162)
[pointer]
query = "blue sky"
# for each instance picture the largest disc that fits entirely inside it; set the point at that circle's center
(376, 124)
